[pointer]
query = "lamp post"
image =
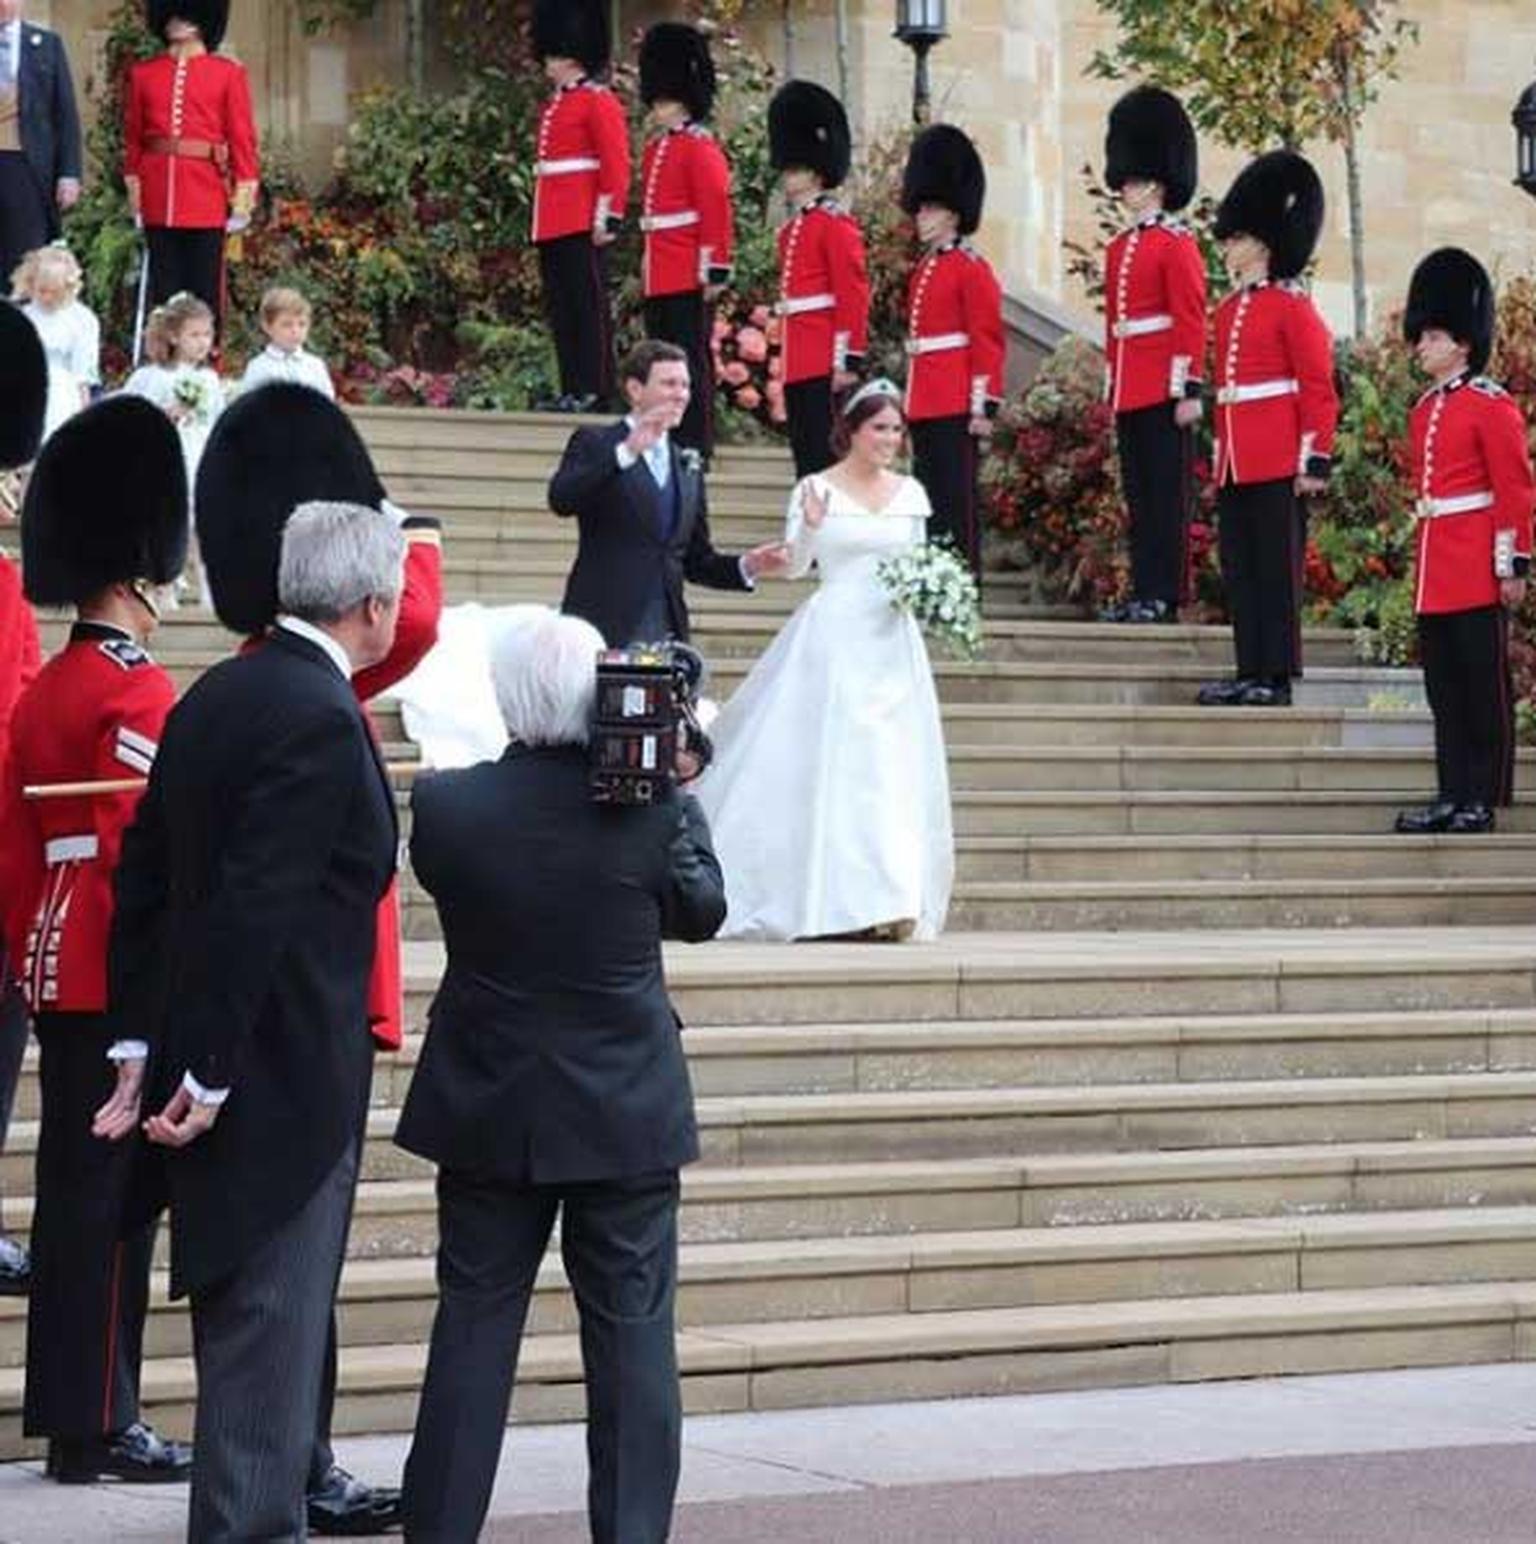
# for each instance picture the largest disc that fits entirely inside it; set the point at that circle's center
(920, 24)
(1524, 120)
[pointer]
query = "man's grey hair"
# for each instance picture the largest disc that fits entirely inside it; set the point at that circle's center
(544, 669)
(334, 557)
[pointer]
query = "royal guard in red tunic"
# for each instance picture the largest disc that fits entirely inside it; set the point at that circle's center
(273, 449)
(23, 401)
(1276, 407)
(189, 151)
(1154, 340)
(1472, 474)
(823, 304)
(580, 190)
(685, 213)
(103, 524)
(955, 346)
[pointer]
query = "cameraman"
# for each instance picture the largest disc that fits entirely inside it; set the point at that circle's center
(553, 1080)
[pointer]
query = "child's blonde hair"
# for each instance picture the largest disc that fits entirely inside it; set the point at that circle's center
(281, 301)
(166, 321)
(45, 265)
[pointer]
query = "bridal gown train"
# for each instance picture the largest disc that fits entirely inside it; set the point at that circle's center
(829, 795)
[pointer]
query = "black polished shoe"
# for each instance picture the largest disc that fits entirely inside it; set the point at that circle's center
(1119, 612)
(1223, 694)
(1266, 694)
(1427, 820)
(137, 1455)
(1143, 611)
(343, 1507)
(15, 1269)
(1471, 818)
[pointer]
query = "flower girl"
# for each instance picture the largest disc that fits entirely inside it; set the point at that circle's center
(179, 380)
(46, 285)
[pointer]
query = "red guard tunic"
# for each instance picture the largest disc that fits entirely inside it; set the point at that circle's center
(94, 712)
(685, 211)
(1154, 314)
(185, 121)
(1276, 406)
(421, 608)
(1472, 470)
(582, 168)
(20, 656)
(955, 344)
(823, 292)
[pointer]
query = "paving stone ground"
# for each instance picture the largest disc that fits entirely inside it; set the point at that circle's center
(1439, 1457)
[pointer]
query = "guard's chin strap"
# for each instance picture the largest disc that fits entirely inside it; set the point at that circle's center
(144, 592)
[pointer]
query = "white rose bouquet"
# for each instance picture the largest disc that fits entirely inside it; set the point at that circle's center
(935, 586)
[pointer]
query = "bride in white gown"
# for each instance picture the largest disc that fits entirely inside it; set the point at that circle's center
(829, 795)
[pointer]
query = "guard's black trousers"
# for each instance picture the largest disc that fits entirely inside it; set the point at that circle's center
(1467, 677)
(945, 460)
(90, 1285)
(686, 320)
(1155, 471)
(1263, 541)
(580, 312)
(190, 260)
(808, 406)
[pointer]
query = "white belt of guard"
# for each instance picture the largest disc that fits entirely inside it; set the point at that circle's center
(1458, 504)
(1257, 391)
(794, 305)
(70, 849)
(1139, 326)
(575, 163)
(669, 222)
(938, 343)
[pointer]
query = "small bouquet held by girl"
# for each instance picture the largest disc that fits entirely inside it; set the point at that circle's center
(934, 585)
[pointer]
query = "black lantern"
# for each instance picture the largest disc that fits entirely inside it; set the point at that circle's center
(920, 24)
(1524, 120)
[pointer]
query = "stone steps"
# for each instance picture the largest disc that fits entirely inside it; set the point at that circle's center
(391, 1302)
(796, 1362)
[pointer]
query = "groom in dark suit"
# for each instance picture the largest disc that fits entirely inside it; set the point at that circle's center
(39, 136)
(640, 505)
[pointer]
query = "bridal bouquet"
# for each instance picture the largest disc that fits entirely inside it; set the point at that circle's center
(935, 586)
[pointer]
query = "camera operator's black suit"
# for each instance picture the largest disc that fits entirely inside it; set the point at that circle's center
(638, 541)
(553, 1079)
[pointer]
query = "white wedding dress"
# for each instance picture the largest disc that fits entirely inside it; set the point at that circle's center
(829, 795)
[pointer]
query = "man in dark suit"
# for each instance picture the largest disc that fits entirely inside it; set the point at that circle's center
(553, 1081)
(39, 136)
(247, 895)
(642, 512)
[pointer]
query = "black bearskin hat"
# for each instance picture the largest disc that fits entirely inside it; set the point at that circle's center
(1451, 289)
(211, 17)
(573, 29)
(1277, 199)
(1150, 136)
(106, 503)
(944, 168)
(675, 66)
(23, 387)
(271, 450)
(808, 127)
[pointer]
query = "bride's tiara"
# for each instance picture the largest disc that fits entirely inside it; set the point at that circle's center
(879, 387)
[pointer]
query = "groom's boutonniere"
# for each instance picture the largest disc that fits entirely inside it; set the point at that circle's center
(690, 460)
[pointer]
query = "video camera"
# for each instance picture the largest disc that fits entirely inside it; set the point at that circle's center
(645, 717)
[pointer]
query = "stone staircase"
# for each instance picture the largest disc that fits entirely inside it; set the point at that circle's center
(1211, 1078)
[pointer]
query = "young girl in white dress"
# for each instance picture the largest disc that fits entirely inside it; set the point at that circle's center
(828, 798)
(179, 380)
(46, 285)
